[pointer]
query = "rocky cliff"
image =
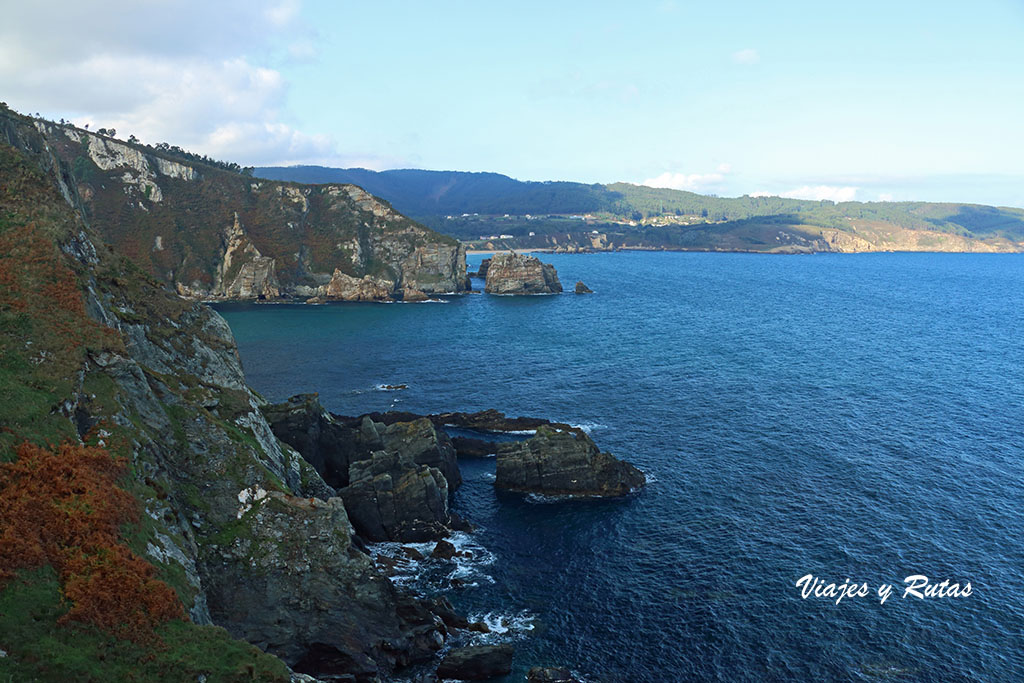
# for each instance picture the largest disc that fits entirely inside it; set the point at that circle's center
(512, 273)
(245, 531)
(213, 234)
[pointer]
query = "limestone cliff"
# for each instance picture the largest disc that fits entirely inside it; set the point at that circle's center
(214, 234)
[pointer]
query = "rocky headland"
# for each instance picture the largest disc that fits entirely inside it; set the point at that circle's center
(512, 273)
(218, 234)
(253, 518)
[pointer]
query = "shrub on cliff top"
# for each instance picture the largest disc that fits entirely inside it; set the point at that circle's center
(63, 507)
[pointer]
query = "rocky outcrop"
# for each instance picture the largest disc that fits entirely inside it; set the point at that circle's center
(512, 273)
(244, 272)
(344, 287)
(477, 663)
(395, 479)
(563, 462)
(582, 288)
(391, 498)
(425, 445)
(212, 233)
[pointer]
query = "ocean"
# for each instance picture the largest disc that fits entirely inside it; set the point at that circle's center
(851, 417)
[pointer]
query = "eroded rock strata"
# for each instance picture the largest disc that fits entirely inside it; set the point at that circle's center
(512, 273)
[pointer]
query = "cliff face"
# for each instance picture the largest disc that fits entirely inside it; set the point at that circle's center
(215, 234)
(243, 529)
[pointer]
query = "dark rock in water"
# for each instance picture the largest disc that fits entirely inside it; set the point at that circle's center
(482, 270)
(394, 387)
(477, 663)
(488, 421)
(444, 550)
(541, 674)
(468, 447)
(460, 524)
(444, 609)
(582, 288)
(513, 273)
(391, 498)
(564, 463)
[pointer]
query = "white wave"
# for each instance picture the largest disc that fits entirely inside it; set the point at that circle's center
(390, 387)
(515, 624)
(588, 427)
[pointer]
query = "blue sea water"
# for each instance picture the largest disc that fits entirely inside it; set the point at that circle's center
(848, 416)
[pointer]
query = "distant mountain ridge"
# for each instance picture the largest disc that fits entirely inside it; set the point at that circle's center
(473, 207)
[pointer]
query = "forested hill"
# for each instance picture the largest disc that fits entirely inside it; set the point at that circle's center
(475, 205)
(434, 193)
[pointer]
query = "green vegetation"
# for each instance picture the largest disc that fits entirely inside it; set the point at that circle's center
(471, 205)
(39, 651)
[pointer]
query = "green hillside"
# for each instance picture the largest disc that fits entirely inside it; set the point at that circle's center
(472, 206)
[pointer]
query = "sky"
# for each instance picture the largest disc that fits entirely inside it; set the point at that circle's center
(896, 100)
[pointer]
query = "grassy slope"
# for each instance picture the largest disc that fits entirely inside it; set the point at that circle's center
(45, 337)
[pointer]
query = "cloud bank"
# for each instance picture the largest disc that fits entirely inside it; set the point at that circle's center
(692, 182)
(192, 73)
(833, 193)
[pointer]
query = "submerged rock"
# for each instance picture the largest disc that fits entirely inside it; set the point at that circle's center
(512, 273)
(477, 663)
(582, 288)
(548, 674)
(563, 462)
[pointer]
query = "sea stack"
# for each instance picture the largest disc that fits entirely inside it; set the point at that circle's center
(582, 288)
(564, 462)
(512, 273)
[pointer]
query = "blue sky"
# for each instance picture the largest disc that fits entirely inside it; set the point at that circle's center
(869, 100)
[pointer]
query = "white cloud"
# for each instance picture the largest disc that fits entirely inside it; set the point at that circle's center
(191, 73)
(885, 197)
(694, 182)
(747, 56)
(814, 192)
